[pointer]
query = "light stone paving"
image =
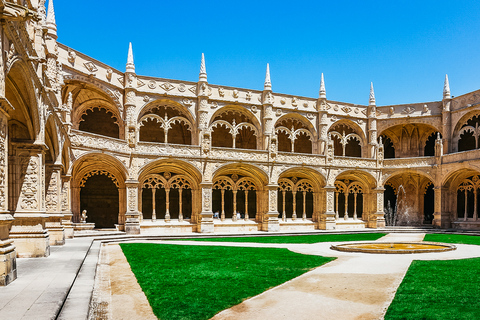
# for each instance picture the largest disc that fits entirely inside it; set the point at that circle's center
(43, 283)
(354, 286)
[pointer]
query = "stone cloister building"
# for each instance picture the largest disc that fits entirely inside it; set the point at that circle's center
(159, 156)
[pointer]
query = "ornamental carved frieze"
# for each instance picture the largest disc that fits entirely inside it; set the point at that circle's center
(30, 185)
(3, 164)
(272, 195)
(132, 199)
(207, 199)
(51, 198)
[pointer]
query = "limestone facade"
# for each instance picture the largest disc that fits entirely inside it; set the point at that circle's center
(155, 156)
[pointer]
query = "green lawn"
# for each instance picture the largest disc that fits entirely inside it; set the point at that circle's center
(196, 282)
(441, 289)
(314, 238)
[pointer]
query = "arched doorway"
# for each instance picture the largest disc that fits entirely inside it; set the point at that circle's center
(99, 196)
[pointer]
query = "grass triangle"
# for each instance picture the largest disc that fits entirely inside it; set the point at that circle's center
(196, 282)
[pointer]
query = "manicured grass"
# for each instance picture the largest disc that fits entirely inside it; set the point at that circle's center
(314, 238)
(441, 289)
(196, 282)
(452, 238)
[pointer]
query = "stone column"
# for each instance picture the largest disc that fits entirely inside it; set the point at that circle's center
(66, 206)
(441, 215)
(206, 221)
(28, 231)
(8, 269)
(53, 205)
(132, 216)
(270, 221)
(327, 220)
(377, 219)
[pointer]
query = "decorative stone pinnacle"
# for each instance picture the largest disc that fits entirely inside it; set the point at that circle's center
(322, 94)
(51, 23)
(372, 95)
(130, 64)
(446, 89)
(203, 70)
(268, 83)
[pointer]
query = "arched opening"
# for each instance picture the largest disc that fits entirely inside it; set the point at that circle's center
(295, 198)
(346, 142)
(151, 131)
(390, 205)
(294, 135)
(348, 200)
(233, 127)
(428, 204)
(430, 144)
(467, 141)
(165, 121)
(100, 120)
(99, 196)
(221, 137)
(234, 196)
(468, 199)
(167, 196)
(388, 148)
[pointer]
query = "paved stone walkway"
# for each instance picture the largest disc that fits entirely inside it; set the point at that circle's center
(354, 286)
(43, 283)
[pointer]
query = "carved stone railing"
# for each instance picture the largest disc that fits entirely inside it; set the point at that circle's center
(239, 154)
(300, 158)
(461, 156)
(352, 162)
(409, 162)
(167, 149)
(98, 142)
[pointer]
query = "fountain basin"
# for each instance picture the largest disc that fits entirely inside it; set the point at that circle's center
(394, 247)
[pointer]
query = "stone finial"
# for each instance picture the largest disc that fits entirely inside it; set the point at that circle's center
(51, 23)
(322, 93)
(69, 101)
(268, 84)
(203, 70)
(446, 89)
(130, 64)
(372, 95)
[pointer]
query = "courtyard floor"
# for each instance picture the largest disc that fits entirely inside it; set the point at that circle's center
(84, 272)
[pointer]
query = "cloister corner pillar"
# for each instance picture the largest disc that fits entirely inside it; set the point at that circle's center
(67, 206)
(206, 221)
(270, 220)
(132, 216)
(8, 269)
(441, 218)
(377, 219)
(30, 236)
(327, 221)
(53, 205)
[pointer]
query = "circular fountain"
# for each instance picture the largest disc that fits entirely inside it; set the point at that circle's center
(394, 247)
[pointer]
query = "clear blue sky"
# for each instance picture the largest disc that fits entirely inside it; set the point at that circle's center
(404, 47)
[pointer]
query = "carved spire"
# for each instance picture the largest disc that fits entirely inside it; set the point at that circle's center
(446, 89)
(268, 83)
(322, 94)
(130, 64)
(372, 95)
(203, 70)
(51, 23)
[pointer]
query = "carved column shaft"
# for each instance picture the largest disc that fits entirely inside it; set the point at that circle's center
(132, 216)
(154, 214)
(270, 221)
(206, 222)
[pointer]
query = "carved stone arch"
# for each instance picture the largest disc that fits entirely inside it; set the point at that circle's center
(98, 161)
(352, 125)
(94, 165)
(301, 119)
(20, 93)
(237, 109)
(113, 94)
(52, 140)
(317, 179)
(178, 108)
(246, 183)
(154, 181)
(223, 183)
(452, 180)
(285, 185)
(462, 122)
(81, 109)
(257, 174)
(365, 177)
(179, 167)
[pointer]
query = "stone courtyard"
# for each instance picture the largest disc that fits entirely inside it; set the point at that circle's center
(87, 149)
